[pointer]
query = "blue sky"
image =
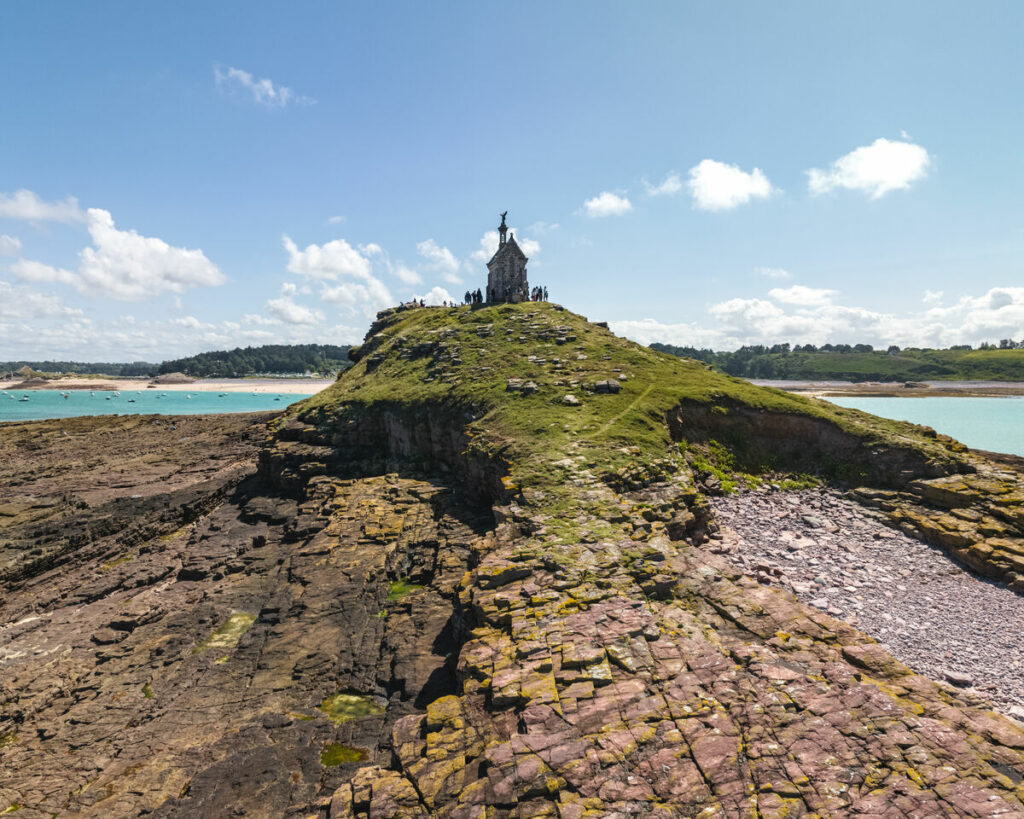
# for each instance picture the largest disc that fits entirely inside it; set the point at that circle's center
(189, 176)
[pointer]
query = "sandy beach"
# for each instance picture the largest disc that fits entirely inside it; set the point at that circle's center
(289, 386)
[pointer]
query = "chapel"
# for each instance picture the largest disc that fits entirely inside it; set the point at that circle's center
(506, 271)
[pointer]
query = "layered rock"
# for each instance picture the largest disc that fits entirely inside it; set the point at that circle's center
(430, 593)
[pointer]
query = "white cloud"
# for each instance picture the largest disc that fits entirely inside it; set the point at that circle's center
(772, 272)
(366, 296)
(31, 271)
(540, 228)
(991, 316)
(803, 296)
(337, 259)
(124, 265)
(932, 297)
(328, 261)
(717, 186)
(883, 166)
(607, 204)
(285, 308)
(235, 81)
(26, 205)
(24, 303)
(669, 187)
(435, 297)
(184, 321)
(489, 246)
(406, 274)
(438, 257)
(335, 220)
(9, 245)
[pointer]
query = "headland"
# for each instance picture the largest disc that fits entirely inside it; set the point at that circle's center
(483, 575)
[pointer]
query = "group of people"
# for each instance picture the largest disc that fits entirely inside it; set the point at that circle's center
(539, 294)
(473, 297)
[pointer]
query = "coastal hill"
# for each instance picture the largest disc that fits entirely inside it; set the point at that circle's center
(861, 363)
(476, 577)
(266, 359)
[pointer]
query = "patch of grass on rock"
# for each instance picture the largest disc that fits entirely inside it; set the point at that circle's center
(341, 708)
(338, 754)
(227, 635)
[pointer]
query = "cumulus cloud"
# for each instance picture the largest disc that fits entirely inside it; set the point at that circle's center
(772, 272)
(366, 296)
(440, 259)
(125, 265)
(932, 297)
(803, 296)
(669, 187)
(9, 245)
(329, 261)
(285, 308)
(436, 296)
(263, 91)
(717, 186)
(990, 316)
(607, 204)
(357, 290)
(406, 274)
(17, 302)
(884, 165)
(27, 206)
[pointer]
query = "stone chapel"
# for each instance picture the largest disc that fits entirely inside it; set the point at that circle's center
(506, 271)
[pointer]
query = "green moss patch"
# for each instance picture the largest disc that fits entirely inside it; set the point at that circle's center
(147, 692)
(227, 635)
(338, 754)
(106, 567)
(341, 708)
(8, 739)
(400, 588)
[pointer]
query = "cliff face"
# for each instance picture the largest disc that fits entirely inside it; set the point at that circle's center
(466, 581)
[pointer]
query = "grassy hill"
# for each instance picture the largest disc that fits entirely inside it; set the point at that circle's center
(505, 373)
(875, 365)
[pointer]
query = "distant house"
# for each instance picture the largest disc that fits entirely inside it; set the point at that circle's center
(506, 271)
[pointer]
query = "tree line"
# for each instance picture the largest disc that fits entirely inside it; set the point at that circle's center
(268, 359)
(862, 362)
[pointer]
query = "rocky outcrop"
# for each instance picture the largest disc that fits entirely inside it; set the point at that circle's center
(423, 593)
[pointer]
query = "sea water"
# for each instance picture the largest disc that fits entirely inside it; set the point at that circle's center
(58, 404)
(994, 424)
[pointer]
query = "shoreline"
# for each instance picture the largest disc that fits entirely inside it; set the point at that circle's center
(289, 386)
(897, 389)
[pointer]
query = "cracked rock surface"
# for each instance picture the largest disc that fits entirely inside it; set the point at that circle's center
(422, 594)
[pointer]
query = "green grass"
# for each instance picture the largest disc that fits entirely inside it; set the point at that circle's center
(544, 443)
(147, 692)
(227, 635)
(400, 588)
(341, 708)
(338, 754)
(106, 567)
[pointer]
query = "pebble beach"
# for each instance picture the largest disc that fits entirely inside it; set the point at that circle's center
(934, 615)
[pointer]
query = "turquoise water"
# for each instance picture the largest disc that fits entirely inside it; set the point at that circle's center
(52, 403)
(995, 424)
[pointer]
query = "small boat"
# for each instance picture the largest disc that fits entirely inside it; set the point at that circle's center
(108, 397)
(188, 397)
(222, 395)
(23, 398)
